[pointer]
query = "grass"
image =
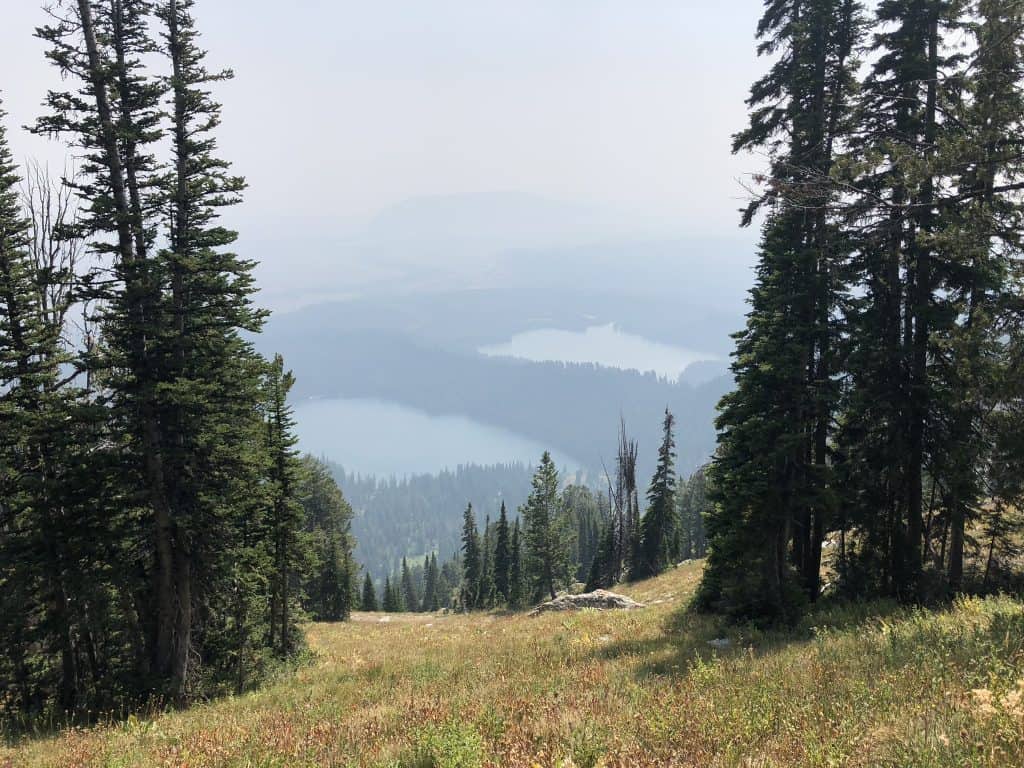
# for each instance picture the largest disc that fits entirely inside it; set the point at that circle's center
(866, 686)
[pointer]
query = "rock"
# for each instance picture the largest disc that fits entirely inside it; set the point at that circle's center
(600, 600)
(721, 643)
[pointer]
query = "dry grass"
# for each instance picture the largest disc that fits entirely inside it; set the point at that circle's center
(864, 687)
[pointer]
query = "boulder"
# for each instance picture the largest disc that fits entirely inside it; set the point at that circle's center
(599, 599)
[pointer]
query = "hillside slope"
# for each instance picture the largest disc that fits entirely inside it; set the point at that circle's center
(875, 686)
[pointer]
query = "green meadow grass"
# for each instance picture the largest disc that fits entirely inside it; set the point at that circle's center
(867, 685)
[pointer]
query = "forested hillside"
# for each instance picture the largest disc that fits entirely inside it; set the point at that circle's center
(421, 514)
(820, 552)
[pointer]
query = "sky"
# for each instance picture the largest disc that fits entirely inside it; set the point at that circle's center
(343, 110)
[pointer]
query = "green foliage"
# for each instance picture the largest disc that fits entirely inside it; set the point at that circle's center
(516, 575)
(875, 375)
(658, 526)
(546, 553)
(368, 601)
(694, 503)
(472, 562)
(450, 745)
(584, 513)
(411, 516)
(410, 599)
(154, 543)
(329, 583)
(502, 556)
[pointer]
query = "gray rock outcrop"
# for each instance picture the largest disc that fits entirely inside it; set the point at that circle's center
(599, 599)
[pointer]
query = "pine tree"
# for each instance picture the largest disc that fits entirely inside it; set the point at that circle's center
(546, 560)
(430, 584)
(516, 586)
(979, 236)
(369, 596)
(469, 593)
(115, 120)
(391, 602)
(502, 556)
(485, 597)
(48, 535)
(771, 471)
(285, 518)
(693, 505)
(658, 525)
(904, 308)
(327, 518)
(602, 573)
(409, 596)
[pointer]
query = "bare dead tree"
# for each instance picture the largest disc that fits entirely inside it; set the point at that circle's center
(57, 250)
(625, 503)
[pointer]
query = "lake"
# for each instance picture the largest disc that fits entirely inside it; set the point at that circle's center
(382, 438)
(600, 344)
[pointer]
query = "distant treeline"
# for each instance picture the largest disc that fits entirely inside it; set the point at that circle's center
(562, 536)
(570, 537)
(420, 514)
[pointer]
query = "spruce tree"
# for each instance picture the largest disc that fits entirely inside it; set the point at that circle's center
(485, 597)
(285, 515)
(327, 518)
(369, 596)
(472, 562)
(181, 385)
(771, 470)
(602, 573)
(391, 602)
(115, 119)
(409, 597)
(658, 525)
(546, 556)
(978, 354)
(502, 556)
(430, 585)
(905, 308)
(516, 583)
(50, 532)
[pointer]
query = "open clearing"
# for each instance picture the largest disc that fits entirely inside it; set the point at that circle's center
(866, 686)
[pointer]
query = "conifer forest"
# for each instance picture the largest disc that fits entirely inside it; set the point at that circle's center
(287, 483)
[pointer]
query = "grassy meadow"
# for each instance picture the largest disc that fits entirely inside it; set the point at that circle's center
(873, 685)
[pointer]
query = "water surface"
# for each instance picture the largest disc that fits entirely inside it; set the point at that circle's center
(600, 344)
(383, 438)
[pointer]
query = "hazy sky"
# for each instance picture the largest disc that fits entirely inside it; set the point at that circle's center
(341, 109)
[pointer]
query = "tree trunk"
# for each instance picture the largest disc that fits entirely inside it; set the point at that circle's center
(137, 293)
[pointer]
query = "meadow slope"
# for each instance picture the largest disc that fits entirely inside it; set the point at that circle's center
(871, 686)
